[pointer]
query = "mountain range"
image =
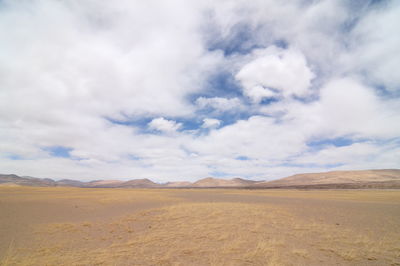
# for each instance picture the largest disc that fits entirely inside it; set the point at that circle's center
(385, 178)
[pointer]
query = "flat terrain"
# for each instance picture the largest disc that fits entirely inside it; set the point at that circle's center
(82, 226)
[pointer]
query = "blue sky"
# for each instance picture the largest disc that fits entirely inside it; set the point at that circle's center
(180, 90)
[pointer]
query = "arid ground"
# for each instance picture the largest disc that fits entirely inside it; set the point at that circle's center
(81, 226)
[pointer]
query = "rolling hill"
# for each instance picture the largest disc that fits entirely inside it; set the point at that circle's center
(386, 178)
(139, 183)
(216, 182)
(178, 184)
(26, 181)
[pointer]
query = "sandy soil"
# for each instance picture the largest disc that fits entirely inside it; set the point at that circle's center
(73, 226)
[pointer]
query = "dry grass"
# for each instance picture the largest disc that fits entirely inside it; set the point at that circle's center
(103, 196)
(205, 233)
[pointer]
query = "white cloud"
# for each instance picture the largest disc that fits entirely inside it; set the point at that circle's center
(258, 93)
(366, 155)
(284, 70)
(347, 107)
(211, 123)
(108, 61)
(219, 103)
(376, 44)
(257, 137)
(164, 125)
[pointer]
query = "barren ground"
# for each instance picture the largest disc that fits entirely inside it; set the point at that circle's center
(73, 226)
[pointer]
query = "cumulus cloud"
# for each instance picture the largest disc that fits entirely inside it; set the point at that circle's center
(275, 71)
(100, 59)
(211, 123)
(279, 83)
(219, 103)
(366, 155)
(376, 45)
(164, 125)
(348, 107)
(345, 107)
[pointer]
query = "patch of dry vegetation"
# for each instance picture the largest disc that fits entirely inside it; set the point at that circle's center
(206, 233)
(386, 196)
(99, 195)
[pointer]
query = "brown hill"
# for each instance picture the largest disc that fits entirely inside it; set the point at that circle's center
(70, 183)
(244, 182)
(340, 179)
(134, 183)
(103, 183)
(46, 182)
(139, 183)
(216, 182)
(178, 184)
(27, 181)
(389, 178)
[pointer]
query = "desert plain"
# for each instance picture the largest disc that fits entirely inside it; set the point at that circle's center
(97, 226)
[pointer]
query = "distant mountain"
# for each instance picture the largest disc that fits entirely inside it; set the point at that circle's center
(216, 182)
(139, 183)
(103, 183)
(70, 183)
(27, 181)
(387, 178)
(9, 178)
(244, 182)
(135, 183)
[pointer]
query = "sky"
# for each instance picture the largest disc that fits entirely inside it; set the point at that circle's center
(175, 90)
